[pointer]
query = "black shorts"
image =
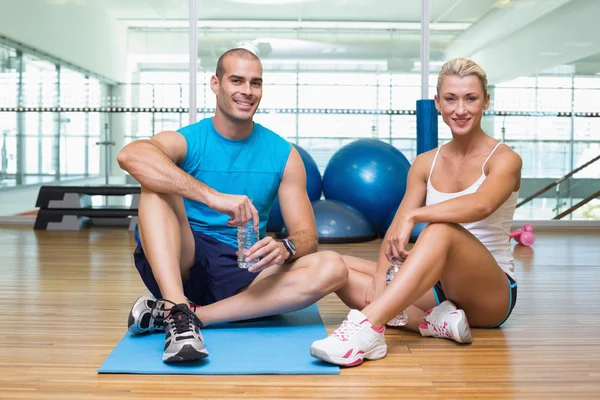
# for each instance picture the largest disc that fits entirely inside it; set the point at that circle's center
(440, 297)
(214, 276)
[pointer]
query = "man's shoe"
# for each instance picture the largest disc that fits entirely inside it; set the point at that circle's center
(183, 341)
(147, 315)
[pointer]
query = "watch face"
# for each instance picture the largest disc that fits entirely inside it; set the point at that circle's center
(292, 245)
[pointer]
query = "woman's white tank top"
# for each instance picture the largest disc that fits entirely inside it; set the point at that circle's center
(492, 231)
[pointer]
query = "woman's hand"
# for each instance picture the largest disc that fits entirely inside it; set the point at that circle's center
(396, 239)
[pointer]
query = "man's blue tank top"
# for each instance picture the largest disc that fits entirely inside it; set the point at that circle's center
(252, 166)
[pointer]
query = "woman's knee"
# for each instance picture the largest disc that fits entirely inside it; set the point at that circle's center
(440, 230)
(439, 227)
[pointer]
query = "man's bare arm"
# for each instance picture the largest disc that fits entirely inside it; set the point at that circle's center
(155, 163)
(295, 206)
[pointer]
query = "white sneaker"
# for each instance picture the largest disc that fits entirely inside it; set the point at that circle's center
(353, 341)
(446, 321)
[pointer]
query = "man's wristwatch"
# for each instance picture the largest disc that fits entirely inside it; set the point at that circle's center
(290, 247)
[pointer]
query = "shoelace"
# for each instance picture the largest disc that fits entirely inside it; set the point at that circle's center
(158, 314)
(441, 328)
(345, 330)
(189, 317)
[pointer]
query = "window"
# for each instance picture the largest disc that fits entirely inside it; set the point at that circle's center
(40, 145)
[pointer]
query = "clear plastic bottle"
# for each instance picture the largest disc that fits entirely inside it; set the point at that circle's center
(402, 318)
(247, 237)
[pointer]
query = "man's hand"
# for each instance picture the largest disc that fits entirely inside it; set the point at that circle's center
(270, 252)
(238, 207)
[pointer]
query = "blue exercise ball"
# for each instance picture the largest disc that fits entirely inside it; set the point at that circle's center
(339, 223)
(414, 235)
(314, 188)
(314, 181)
(369, 175)
(275, 219)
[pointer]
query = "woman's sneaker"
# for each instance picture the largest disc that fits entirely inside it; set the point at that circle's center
(446, 321)
(183, 342)
(355, 340)
(147, 315)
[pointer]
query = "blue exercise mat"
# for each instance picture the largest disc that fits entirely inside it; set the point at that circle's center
(273, 345)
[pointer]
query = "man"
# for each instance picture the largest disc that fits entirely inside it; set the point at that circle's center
(198, 185)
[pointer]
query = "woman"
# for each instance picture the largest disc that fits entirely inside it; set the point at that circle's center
(461, 267)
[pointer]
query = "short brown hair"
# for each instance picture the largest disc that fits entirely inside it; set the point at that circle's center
(237, 52)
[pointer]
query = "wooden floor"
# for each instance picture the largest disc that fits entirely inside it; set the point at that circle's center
(65, 296)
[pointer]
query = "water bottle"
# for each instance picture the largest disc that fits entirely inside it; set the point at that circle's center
(247, 237)
(402, 318)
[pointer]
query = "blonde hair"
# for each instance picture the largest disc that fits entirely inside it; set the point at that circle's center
(462, 67)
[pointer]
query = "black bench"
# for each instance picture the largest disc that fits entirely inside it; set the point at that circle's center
(70, 207)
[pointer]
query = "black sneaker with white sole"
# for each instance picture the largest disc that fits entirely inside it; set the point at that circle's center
(183, 341)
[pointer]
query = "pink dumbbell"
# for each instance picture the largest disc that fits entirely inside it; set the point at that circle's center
(524, 236)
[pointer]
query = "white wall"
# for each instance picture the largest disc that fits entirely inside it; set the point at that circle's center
(562, 36)
(82, 34)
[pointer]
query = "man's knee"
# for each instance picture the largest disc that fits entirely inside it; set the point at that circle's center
(346, 259)
(330, 272)
(172, 200)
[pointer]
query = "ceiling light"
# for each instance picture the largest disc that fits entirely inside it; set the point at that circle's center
(578, 44)
(320, 61)
(65, 2)
(253, 24)
(501, 4)
(549, 53)
(272, 2)
(330, 50)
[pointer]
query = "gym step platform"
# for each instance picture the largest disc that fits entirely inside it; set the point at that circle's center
(70, 208)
